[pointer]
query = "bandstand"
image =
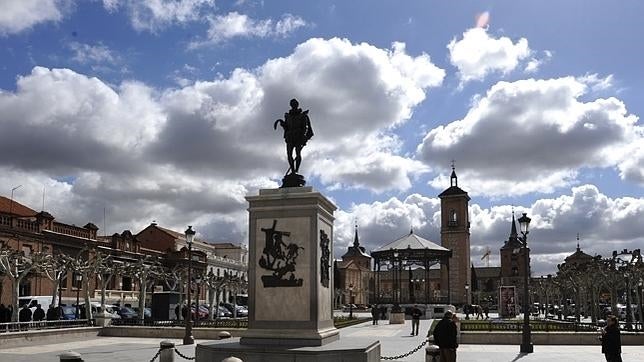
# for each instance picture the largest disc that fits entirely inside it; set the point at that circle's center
(404, 275)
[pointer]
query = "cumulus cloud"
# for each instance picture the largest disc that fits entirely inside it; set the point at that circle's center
(478, 54)
(20, 15)
(535, 63)
(534, 136)
(605, 224)
(190, 154)
(153, 15)
(236, 25)
(94, 54)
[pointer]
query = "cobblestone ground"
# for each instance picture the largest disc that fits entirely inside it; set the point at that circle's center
(395, 340)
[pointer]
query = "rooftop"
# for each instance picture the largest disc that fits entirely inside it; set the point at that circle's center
(411, 241)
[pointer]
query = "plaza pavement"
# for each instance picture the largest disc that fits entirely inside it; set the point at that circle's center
(395, 340)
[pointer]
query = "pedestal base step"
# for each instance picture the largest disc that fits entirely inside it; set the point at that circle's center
(344, 350)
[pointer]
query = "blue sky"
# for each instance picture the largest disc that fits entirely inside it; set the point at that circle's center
(155, 110)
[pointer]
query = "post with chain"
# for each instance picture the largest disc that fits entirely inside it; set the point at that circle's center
(166, 351)
(393, 358)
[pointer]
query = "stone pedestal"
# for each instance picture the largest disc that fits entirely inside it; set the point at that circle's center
(102, 319)
(397, 318)
(290, 287)
(344, 350)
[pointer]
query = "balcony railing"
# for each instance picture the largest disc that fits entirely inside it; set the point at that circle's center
(70, 230)
(31, 326)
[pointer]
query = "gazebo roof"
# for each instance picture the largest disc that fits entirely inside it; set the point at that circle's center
(412, 241)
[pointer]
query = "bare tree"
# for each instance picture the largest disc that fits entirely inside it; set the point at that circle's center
(214, 283)
(144, 271)
(54, 267)
(105, 268)
(17, 266)
(84, 264)
(172, 279)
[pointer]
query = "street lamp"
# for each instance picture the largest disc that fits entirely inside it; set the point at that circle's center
(526, 343)
(351, 301)
(79, 279)
(188, 338)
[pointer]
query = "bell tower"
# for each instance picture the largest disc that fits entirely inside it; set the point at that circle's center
(455, 236)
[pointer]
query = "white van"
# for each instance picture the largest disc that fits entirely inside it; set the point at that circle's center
(33, 301)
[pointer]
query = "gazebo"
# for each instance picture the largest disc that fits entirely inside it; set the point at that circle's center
(408, 260)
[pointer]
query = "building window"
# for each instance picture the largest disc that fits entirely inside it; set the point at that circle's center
(24, 288)
(127, 284)
(76, 280)
(452, 218)
(26, 249)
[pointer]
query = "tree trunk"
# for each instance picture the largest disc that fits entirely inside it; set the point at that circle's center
(15, 283)
(54, 294)
(142, 295)
(86, 296)
(211, 303)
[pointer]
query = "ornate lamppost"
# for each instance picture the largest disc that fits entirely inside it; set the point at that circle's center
(526, 343)
(351, 301)
(188, 338)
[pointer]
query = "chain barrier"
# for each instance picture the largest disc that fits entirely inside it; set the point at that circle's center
(183, 356)
(406, 354)
(156, 355)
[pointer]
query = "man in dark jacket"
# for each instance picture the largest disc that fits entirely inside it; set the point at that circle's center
(415, 319)
(39, 314)
(25, 314)
(375, 313)
(445, 338)
(52, 313)
(611, 340)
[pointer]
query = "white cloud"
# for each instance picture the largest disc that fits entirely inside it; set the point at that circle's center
(236, 25)
(596, 82)
(94, 54)
(535, 63)
(478, 54)
(153, 15)
(190, 154)
(20, 15)
(605, 224)
(533, 136)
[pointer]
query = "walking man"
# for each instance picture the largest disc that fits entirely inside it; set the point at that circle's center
(375, 313)
(611, 340)
(39, 314)
(415, 319)
(445, 338)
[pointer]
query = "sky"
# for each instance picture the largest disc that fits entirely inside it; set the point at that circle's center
(162, 110)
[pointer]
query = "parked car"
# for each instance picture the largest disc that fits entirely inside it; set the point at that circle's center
(242, 311)
(69, 312)
(127, 313)
(348, 307)
(147, 312)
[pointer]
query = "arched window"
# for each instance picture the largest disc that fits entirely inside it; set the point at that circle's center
(452, 217)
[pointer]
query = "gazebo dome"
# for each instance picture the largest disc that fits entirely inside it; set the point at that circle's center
(412, 241)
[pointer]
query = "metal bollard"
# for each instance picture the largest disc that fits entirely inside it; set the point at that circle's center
(224, 335)
(167, 351)
(70, 356)
(432, 353)
(231, 359)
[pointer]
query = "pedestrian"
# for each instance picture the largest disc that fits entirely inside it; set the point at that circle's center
(445, 338)
(52, 313)
(25, 314)
(375, 313)
(457, 323)
(611, 340)
(176, 312)
(383, 313)
(415, 319)
(3, 313)
(39, 313)
(479, 312)
(486, 310)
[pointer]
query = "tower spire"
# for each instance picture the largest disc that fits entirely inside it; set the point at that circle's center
(356, 239)
(513, 231)
(578, 249)
(453, 180)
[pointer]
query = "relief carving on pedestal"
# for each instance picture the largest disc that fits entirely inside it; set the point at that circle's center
(279, 258)
(325, 256)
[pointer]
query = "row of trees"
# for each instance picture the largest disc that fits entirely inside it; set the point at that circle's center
(620, 275)
(91, 263)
